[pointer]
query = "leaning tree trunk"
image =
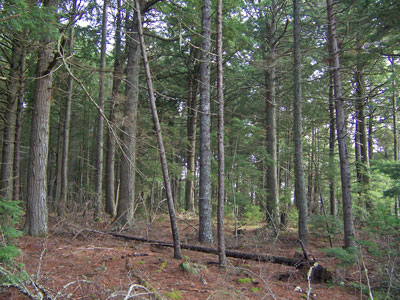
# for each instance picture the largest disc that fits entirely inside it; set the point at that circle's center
(205, 227)
(36, 221)
(111, 133)
(9, 126)
(163, 157)
(100, 121)
(341, 131)
(300, 192)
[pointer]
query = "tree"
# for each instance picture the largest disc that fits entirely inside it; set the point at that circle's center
(36, 221)
(221, 150)
(341, 130)
(300, 193)
(167, 183)
(205, 228)
(100, 121)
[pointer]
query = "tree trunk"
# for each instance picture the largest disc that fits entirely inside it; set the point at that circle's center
(17, 139)
(128, 149)
(62, 202)
(300, 192)
(9, 126)
(100, 121)
(341, 131)
(115, 99)
(167, 183)
(272, 203)
(36, 221)
(205, 227)
(221, 150)
(193, 87)
(332, 138)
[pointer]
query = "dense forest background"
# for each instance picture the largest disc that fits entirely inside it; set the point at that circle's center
(78, 132)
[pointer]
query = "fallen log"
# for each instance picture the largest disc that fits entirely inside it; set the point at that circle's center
(294, 262)
(319, 273)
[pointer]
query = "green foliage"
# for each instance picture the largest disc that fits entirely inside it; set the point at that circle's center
(330, 225)
(10, 212)
(348, 256)
(244, 280)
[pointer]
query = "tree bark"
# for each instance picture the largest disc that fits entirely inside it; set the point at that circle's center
(17, 139)
(115, 99)
(62, 202)
(100, 121)
(167, 183)
(341, 131)
(269, 54)
(9, 125)
(128, 149)
(332, 138)
(205, 226)
(36, 221)
(300, 192)
(221, 150)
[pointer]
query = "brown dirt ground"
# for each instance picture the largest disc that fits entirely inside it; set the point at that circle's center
(74, 263)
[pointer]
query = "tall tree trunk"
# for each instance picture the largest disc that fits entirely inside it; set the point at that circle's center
(163, 157)
(395, 133)
(221, 151)
(36, 221)
(17, 139)
(300, 191)
(269, 54)
(62, 201)
(332, 138)
(205, 227)
(128, 149)
(100, 121)
(341, 131)
(115, 99)
(191, 133)
(9, 125)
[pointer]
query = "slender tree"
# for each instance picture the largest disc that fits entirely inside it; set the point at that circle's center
(167, 183)
(115, 99)
(67, 120)
(221, 150)
(341, 130)
(205, 226)
(100, 121)
(300, 192)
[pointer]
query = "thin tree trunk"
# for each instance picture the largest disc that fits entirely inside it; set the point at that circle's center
(115, 99)
(191, 133)
(163, 157)
(17, 139)
(9, 126)
(341, 131)
(221, 151)
(332, 138)
(100, 121)
(205, 226)
(62, 201)
(300, 192)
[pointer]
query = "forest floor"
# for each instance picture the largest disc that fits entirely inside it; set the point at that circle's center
(76, 262)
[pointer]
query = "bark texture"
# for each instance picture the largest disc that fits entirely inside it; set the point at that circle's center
(300, 192)
(205, 228)
(341, 131)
